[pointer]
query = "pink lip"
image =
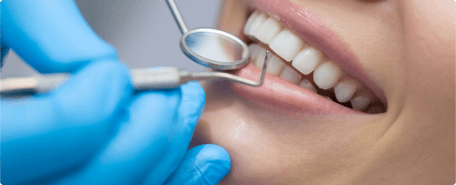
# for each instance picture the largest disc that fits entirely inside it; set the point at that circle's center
(277, 93)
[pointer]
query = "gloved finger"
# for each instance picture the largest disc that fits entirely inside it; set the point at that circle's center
(204, 164)
(51, 35)
(48, 134)
(154, 136)
(192, 106)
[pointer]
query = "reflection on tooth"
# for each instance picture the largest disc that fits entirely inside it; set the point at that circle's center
(256, 23)
(345, 89)
(260, 57)
(307, 60)
(290, 75)
(327, 74)
(286, 44)
(249, 22)
(308, 85)
(275, 65)
(361, 100)
(254, 49)
(267, 30)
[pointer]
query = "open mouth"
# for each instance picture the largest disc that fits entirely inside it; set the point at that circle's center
(302, 69)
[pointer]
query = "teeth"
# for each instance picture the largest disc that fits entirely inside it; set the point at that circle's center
(254, 50)
(345, 89)
(249, 22)
(267, 30)
(275, 65)
(260, 18)
(307, 60)
(362, 100)
(308, 85)
(286, 44)
(260, 57)
(326, 75)
(290, 75)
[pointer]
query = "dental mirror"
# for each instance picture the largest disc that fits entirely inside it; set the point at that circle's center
(210, 47)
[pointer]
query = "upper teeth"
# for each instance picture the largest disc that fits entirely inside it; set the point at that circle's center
(306, 59)
(273, 28)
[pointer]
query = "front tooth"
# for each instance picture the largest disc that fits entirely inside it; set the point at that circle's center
(286, 44)
(290, 75)
(260, 57)
(275, 65)
(308, 85)
(267, 30)
(249, 22)
(327, 74)
(307, 60)
(260, 18)
(254, 50)
(345, 89)
(361, 100)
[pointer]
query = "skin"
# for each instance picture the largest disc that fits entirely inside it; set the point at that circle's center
(408, 49)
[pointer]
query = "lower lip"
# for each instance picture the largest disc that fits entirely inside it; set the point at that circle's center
(277, 94)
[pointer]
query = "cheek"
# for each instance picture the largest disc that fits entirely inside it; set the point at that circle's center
(430, 64)
(374, 33)
(229, 16)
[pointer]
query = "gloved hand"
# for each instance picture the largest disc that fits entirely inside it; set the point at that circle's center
(94, 129)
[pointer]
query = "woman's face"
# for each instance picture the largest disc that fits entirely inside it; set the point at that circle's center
(391, 61)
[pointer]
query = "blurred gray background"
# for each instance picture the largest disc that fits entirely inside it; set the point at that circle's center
(143, 31)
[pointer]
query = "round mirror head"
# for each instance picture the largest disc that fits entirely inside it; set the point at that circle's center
(215, 49)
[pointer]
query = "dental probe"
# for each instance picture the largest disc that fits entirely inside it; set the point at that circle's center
(142, 78)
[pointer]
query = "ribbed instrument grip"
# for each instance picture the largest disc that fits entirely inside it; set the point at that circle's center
(156, 78)
(49, 82)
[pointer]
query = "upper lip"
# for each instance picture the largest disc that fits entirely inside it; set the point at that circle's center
(310, 28)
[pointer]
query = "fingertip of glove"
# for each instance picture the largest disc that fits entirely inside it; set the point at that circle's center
(213, 153)
(193, 102)
(213, 162)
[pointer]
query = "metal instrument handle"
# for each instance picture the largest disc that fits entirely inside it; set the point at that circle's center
(156, 78)
(143, 79)
(177, 16)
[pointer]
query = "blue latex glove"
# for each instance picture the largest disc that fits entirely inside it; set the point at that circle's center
(94, 129)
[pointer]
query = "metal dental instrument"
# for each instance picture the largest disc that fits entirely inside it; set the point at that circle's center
(208, 47)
